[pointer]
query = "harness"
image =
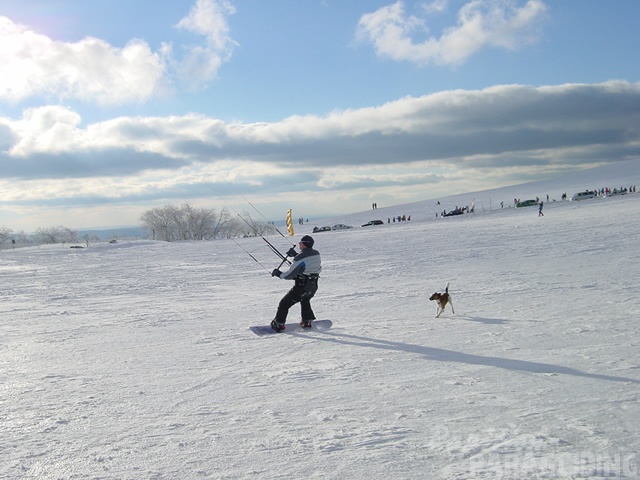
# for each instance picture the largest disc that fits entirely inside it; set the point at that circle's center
(309, 283)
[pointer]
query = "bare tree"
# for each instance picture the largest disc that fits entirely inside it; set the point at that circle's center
(220, 224)
(158, 222)
(171, 223)
(5, 234)
(255, 227)
(68, 235)
(235, 228)
(57, 234)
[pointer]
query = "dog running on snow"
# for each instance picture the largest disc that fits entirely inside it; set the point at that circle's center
(442, 299)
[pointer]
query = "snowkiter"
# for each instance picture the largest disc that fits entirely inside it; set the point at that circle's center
(305, 271)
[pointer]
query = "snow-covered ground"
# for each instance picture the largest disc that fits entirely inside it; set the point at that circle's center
(134, 360)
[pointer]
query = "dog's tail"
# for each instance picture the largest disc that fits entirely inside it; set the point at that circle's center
(446, 289)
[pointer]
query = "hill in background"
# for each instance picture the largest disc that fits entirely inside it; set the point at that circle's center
(615, 175)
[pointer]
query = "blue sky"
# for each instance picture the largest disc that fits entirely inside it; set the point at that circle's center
(110, 108)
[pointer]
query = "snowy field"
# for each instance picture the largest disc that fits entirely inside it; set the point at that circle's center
(134, 361)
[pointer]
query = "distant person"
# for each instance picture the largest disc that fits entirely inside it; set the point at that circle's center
(305, 271)
(540, 214)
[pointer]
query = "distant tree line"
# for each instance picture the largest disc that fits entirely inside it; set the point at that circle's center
(169, 223)
(186, 222)
(59, 234)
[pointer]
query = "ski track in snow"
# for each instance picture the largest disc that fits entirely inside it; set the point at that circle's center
(134, 360)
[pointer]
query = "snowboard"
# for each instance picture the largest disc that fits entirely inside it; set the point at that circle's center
(291, 327)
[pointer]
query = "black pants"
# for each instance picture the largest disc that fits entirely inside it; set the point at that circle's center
(303, 291)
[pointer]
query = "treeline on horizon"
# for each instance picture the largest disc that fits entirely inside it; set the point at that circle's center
(169, 223)
(186, 222)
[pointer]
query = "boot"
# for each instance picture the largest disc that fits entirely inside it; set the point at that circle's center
(278, 327)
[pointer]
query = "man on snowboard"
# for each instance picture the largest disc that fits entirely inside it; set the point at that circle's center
(305, 271)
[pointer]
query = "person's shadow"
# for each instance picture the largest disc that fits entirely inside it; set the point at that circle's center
(442, 355)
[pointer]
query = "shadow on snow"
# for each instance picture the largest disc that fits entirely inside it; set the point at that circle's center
(441, 355)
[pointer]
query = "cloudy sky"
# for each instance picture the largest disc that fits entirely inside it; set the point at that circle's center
(109, 108)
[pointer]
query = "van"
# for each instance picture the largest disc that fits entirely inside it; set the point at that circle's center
(583, 195)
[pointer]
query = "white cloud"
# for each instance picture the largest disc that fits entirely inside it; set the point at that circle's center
(89, 70)
(207, 18)
(436, 6)
(481, 24)
(488, 127)
(47, 129)
(467, 140)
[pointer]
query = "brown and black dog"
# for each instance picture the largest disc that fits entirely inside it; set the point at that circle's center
(442, 299)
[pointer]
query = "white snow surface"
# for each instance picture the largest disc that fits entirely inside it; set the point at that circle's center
(134, 360)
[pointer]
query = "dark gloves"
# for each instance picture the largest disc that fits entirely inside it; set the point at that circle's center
(291, 252)
(276, 273)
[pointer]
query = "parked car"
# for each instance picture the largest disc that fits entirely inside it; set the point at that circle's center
(341, 226)
(583, 195)
(321, 229)
(373, 222)
(615, 191)
(526, 203)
